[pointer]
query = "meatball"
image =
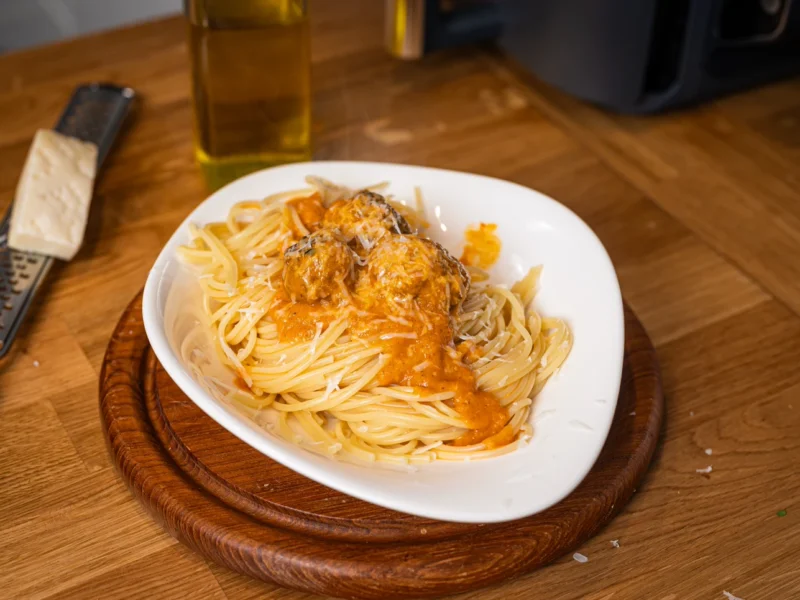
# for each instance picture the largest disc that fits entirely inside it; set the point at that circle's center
(315, 266)
(365, 219)
(404, 268)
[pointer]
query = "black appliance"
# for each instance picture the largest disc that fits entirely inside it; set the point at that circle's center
(635, 56)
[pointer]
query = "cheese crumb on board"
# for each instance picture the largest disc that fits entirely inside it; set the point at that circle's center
(51, 205)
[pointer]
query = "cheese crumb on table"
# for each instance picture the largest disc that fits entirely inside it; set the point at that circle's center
(51, 205)
(581, 558)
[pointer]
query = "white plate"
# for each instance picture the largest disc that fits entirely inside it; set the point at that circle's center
(572, 415)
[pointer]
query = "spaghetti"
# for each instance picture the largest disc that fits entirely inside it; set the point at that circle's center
(364, 340)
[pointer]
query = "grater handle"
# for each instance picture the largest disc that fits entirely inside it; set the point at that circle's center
(95, 113)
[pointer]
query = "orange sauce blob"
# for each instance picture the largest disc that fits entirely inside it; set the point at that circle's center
(311, 212)
(481, 246)
(297, 321)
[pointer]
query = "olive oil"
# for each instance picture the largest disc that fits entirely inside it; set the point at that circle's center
(251, 86)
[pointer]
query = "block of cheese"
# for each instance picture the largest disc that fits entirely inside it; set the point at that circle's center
(51, 205)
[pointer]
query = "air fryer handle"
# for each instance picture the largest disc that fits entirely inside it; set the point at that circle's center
(417, 27)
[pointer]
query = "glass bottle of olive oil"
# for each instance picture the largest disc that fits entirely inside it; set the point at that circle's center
(251, 86)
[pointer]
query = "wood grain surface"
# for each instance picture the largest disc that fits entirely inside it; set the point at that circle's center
(699, 210)
(245, 512)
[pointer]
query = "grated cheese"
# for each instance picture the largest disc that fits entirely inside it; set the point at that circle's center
(313, 347)
(389, 336)
(365, 242)
(332, 386)
(399, 320)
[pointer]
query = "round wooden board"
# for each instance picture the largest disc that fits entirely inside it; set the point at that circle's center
(240, 509)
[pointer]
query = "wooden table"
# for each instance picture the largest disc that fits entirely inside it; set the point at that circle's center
(700, 212)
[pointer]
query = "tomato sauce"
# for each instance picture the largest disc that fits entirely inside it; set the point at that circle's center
(311, 212)
(482, 246)
(419, 345)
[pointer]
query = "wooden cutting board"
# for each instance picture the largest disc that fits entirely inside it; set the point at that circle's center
(242, 510)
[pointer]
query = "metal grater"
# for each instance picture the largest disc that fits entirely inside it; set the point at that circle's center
(95, 113)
